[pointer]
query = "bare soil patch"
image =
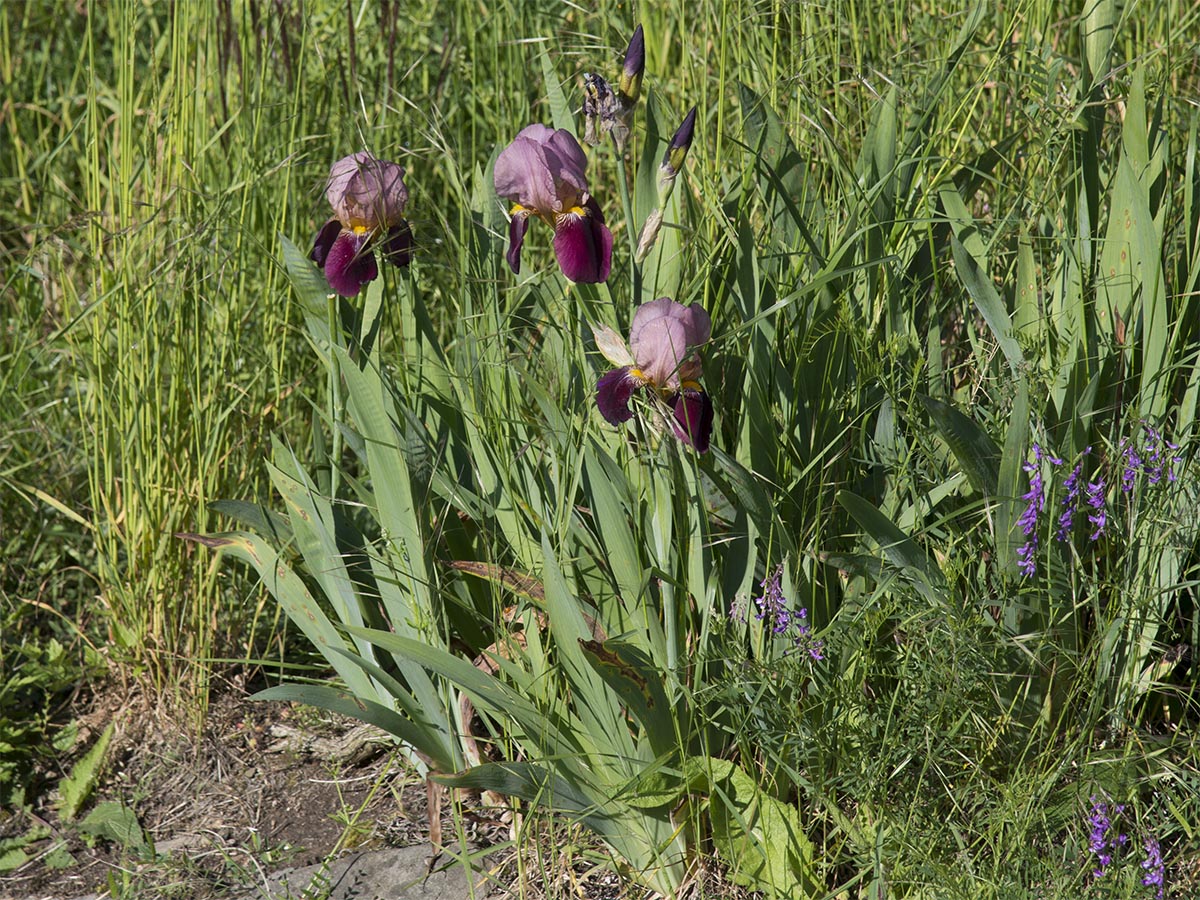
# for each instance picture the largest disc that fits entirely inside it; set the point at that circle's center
(263, 786)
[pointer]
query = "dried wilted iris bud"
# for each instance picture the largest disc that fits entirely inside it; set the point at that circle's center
(607, 111)
(368, 197)
(543, 174)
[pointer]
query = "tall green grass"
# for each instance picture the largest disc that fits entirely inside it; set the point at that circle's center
(928, 237)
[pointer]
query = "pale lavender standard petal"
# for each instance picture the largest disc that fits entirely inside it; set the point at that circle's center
(350, 264)
(366, 192)
(568, 165)
(542, 170)
(613, 393)
(583, 245)
(661, 337)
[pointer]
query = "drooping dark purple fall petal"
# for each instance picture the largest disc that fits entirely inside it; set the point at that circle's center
(398, 245)
(350, 264)
(613, 392)
(517, 226)
(325, 237)
(693, 418)
(583, 245)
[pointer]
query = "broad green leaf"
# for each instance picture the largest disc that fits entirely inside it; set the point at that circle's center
(293, 596)
(597, 707)
(76, 787)
(782, 176)
(1097, 29)
(901, 550)
(662, 274)
(1131, 278)
(1008, 507)
(560, 109)
(972, 447)
(630, 673)
(261, 518)
(645, 840)
(391, 483)
(487, 692)
(114, 821)
(311, 288)
(760, 838)
(752, 497)
(613, 522)
(1026, 315)
(970, 263)
(314, 526)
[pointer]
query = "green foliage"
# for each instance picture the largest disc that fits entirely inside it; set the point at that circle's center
(115, 822)
(77, 786)
(928, 238)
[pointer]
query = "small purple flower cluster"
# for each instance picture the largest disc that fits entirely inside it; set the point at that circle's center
(1099, 825)
(1153, 864)
(1070, 502)
(1156, 458)
(1105, 840)
(776, 613)
(1035, 504)
(1098, 517)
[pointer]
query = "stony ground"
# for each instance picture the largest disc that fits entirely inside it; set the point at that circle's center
(272, 801)
(263, 786)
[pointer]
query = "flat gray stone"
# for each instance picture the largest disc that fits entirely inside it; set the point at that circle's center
(393, 874)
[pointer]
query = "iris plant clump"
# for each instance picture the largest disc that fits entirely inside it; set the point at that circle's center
(368, 197)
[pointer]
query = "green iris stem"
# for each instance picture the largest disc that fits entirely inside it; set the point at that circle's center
(336, 405)
(627, 204)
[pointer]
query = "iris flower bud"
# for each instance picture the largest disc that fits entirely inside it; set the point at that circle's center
(630, 85)
(677, 152)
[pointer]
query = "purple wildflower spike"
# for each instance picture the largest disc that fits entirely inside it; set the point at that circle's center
(1070, 503)
(1153, 864)
(1098, 517)
(1035, 503)
(1099, 843)
(1131, 463)
(775, 612)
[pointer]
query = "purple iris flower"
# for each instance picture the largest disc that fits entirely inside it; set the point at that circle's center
(661, 358)
(368, 198)
(542, 173)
